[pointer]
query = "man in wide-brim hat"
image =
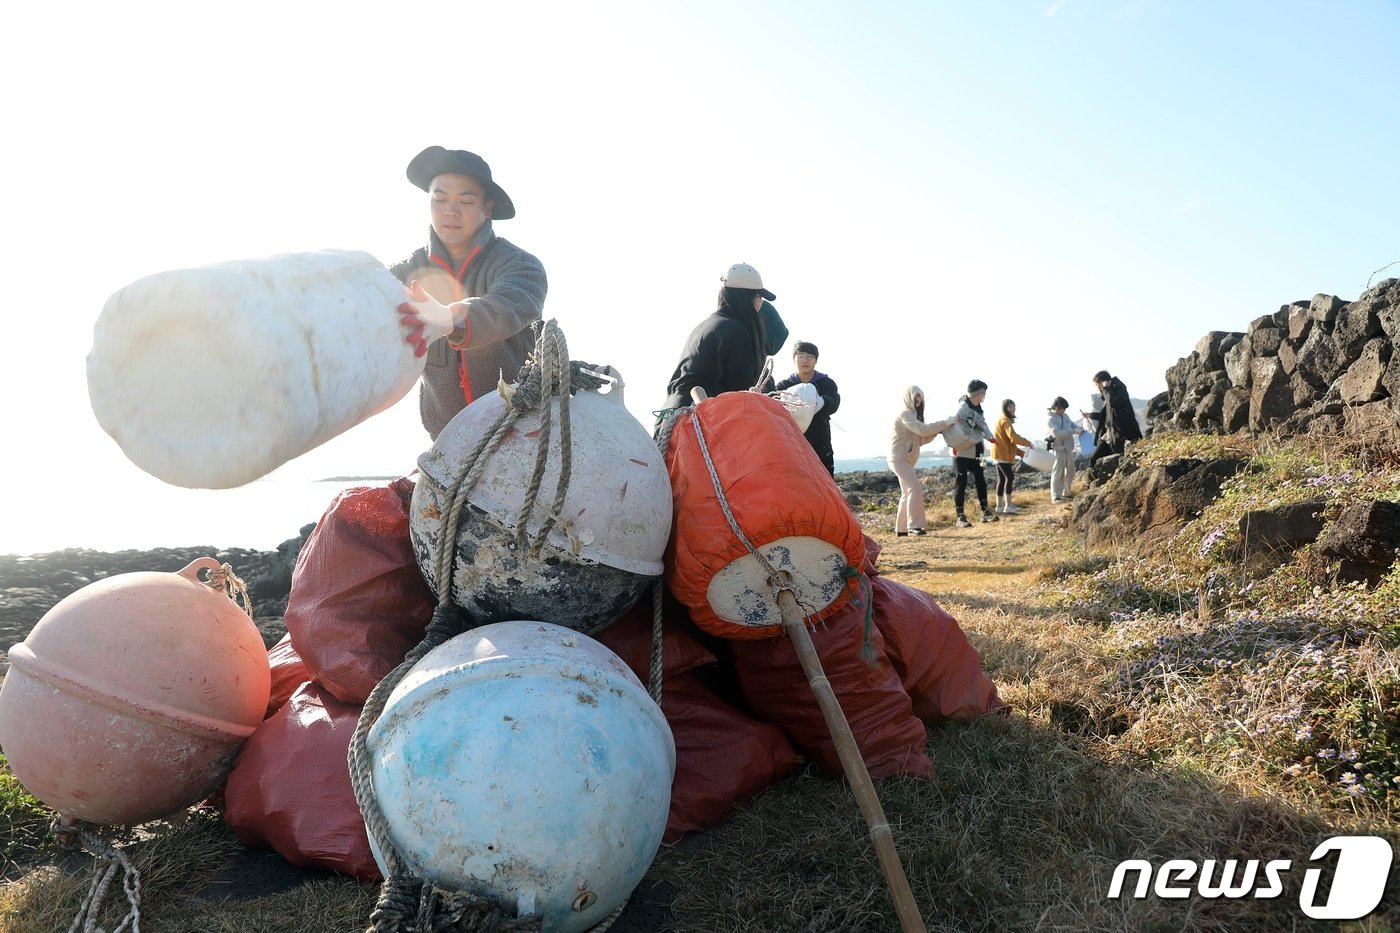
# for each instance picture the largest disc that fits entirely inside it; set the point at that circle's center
(475, 294)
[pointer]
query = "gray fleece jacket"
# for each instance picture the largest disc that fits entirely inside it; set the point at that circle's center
(504, 288)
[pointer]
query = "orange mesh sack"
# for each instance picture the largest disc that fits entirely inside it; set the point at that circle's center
(937, 664)
(784, 502)
(290, 787)
(359, 603)
(890, 737)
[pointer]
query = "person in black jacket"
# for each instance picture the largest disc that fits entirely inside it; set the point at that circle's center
(725, 352)
(804, 357)
(1116, 423)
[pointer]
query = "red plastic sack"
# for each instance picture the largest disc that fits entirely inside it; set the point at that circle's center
(288, 673)
(358, 603)
(890, 737)
(776, 488)
(723, 757)
(630, 639)
(872, 556)
(936, 663)
(290, 787)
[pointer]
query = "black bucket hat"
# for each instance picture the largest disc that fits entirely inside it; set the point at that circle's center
(435, 161)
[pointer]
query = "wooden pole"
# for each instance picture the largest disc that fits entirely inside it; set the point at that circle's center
(795, 624)
(852, 764)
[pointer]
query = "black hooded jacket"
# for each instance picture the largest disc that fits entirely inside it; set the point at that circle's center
(724, 353)
(1116, 421)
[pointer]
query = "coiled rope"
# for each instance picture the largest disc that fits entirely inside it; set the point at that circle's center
(408, 904)
(112, 862)
(229, 583)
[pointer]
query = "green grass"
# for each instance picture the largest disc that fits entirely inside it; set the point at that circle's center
(24, 825)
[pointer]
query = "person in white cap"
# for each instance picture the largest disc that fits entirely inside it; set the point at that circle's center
(725, 352)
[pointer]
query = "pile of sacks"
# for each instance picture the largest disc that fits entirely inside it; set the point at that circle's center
(741, 712)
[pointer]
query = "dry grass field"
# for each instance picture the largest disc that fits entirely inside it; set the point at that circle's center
(1145, 727)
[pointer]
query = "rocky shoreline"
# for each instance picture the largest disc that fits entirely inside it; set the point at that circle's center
(31, 585)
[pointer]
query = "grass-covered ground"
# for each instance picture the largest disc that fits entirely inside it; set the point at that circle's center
(1200, 702)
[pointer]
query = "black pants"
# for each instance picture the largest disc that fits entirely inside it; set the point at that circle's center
(966, 466)
(1006, 478)
(1106, 448)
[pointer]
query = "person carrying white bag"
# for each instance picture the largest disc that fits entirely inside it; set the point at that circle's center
(826, 398)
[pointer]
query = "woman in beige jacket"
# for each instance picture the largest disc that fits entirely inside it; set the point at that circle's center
(910, 433)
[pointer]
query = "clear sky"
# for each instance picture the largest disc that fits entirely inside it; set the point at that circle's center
(1018, 192)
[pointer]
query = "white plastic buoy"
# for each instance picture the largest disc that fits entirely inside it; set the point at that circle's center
(214, 376)
(608, 539)
(525, 762)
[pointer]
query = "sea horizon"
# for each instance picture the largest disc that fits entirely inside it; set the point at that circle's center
(257, 516)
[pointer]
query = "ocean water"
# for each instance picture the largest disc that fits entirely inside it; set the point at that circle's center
(258, 516)
(855, 464)
(140, 513)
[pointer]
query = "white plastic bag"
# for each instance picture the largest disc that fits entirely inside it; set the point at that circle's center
(802, 402)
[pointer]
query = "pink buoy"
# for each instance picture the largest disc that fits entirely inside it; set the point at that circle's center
(131, 697)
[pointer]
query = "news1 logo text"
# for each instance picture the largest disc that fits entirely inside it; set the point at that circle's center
(1357, 881)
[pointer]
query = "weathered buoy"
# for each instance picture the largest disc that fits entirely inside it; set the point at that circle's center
(606, 543)
(213, 376)
(525, 762)
(784, 504)
(130, 698)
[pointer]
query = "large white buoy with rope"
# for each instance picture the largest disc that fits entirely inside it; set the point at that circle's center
(565, 518)
(525, 763)
(212, 377)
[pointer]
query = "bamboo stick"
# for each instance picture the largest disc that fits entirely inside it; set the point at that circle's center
(857, 775)
(852, 764)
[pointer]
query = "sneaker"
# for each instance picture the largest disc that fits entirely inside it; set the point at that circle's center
(1012, 509)
(901, 534)
(990, 516)
(917, 532)
(963, 522)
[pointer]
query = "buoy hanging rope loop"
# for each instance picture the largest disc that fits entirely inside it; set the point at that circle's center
(223, 579)
(408, 904)
(112, 862)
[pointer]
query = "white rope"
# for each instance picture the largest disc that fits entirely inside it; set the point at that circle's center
(114, 859)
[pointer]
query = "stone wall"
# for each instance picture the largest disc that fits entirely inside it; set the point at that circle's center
(1325, 366)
